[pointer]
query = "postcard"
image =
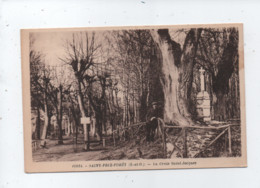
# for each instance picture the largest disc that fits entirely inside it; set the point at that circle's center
(133, 98)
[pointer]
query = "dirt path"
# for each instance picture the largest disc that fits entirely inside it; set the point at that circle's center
(67, 152)
(134, 149)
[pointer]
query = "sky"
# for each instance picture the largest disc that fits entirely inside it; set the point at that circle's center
(53, 44)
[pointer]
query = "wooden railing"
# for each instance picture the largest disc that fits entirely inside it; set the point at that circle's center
(162, 132)
(183, 133)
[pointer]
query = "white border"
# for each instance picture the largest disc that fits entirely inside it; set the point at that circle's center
(15, 15)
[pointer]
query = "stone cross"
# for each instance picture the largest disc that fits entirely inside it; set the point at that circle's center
(202, 81)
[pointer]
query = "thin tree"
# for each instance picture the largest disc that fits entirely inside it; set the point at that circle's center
(81, 52)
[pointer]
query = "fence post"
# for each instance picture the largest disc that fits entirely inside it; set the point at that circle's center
(229, 141)
(114, 139)
(104, 142)
(185, 154)
(163, 138)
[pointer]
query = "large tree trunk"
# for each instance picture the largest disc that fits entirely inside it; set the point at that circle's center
(143, 107)
(177, 68)
(186, 70)
(46, 119)
(220, 107)
(226, 67)
(104, 118)
(98, 114)
(83, 115)
(38, 124)
(74, 121)
(80, 101)
(59, 116)
(99, 124)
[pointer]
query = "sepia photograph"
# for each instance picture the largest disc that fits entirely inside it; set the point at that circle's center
(131, 98)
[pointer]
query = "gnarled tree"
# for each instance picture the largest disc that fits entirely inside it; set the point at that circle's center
(177, 70)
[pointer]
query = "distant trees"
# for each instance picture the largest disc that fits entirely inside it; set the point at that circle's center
(39, 87)
(218, 55)
(216, 50)
(114, 76)
(134, 51)
(36, 94)
(47, 86)
(59, 87)
(40, 83)
(95, 85)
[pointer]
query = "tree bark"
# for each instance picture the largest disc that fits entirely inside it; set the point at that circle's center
(96, 105)
(38, 124)
(99, 125)
(177, 68)
(74, 121)
(80, 100)
(226, 67)
(59, 115)
(46, 117)
(186, 69)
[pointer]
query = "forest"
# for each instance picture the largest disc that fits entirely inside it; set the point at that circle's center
(114, 77)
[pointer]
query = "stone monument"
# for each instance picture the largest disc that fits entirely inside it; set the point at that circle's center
(203, 100)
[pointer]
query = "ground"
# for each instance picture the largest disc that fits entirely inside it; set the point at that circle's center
(70, 152)
(67, 151)
(136, 148)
